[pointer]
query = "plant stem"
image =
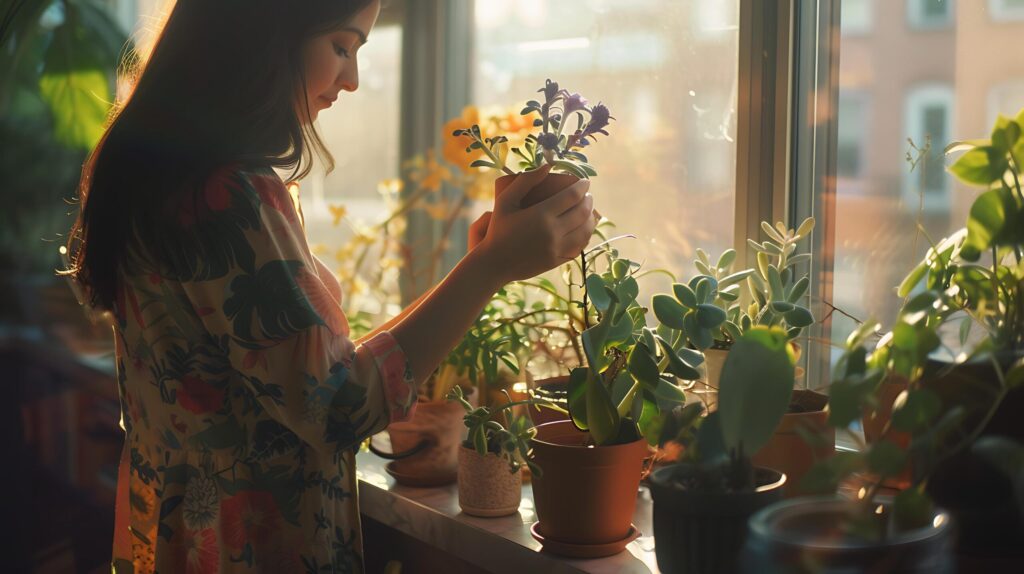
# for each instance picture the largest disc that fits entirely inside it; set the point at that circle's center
(586, 313)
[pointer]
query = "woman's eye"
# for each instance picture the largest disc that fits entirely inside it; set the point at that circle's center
(341, 51)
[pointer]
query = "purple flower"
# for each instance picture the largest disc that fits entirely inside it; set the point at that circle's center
(550, 90)
(548, 141)
(573, 102)
(599, 117)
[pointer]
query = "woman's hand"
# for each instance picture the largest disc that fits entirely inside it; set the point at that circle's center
(478, 230)
(519, 243)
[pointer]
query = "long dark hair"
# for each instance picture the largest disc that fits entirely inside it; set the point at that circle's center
(220, 87)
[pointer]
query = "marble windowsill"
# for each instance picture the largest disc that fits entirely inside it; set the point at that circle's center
(498, 545)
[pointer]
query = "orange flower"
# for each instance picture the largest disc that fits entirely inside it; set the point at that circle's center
(454, 150)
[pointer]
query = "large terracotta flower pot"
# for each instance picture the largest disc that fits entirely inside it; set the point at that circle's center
(586, 494)
(787, 451)
(698, 532)
(486, 485)
(425, 448)
(549, 186)
(805, 536)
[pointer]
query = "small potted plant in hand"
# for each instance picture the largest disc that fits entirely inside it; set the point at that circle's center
(701, 505)
(492, 456)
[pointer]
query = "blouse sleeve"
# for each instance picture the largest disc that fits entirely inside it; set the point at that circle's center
(262, 299)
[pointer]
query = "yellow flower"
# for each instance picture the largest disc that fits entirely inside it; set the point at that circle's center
(337, 213)
(434, 174)
(454, 150)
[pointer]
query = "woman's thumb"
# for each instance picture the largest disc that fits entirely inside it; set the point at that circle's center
(524, 182)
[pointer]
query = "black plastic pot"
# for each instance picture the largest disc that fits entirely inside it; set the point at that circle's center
(703, 532)
(802, 536)
(976, 493)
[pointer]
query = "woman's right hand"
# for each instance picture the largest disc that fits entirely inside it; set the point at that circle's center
(524, 242)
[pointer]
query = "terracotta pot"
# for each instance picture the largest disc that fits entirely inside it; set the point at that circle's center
(549, 186)
(556, 390)
(486, 486)
(586, 495)
(440, 425)
(805, 535)
(698, 532)
(788, 452)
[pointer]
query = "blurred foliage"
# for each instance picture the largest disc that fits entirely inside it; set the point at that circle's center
(56, 91)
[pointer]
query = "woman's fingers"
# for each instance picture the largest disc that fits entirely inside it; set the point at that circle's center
(578, 214)
(566, 199)
(578, 239)
(510, 198)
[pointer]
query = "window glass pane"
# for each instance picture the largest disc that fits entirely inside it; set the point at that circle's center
(667, 69)
(856, 16)
(948, 84)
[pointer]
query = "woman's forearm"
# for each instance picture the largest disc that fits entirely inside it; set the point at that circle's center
(387, 325)
(434, 326)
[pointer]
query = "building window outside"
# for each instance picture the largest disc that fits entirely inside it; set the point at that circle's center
(930, 14)
(851, 153)
(928, 120)
(1006, 10)
(856, 17)
(667, 69)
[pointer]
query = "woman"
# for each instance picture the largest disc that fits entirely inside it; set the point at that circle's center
(242, 397)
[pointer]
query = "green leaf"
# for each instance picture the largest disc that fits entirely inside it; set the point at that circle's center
(755, 388)
(602, 416)
(771, 232)
(980, 166)
(483, 163)
(726, 259)
(669, 311)
(578, 397)
(711, 446)
(781, 306)
(627, 290)
(846, 401)
(703, 290)
(805, 228)
(886, 459)
(775, 284)
(710, 316)
(798, 289)
(642, 366)
(799, 317)
(919, 408)
(669, 392)
(735, 278)
(912, 509)
(685, 295)
(920, 302)
(676, 365)
(825, 476)
(595, 290)
(991, 219)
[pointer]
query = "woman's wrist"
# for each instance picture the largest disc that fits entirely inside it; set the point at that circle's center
(482, 269)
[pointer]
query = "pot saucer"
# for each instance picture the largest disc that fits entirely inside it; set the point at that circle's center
(420, 480)
(583, 550)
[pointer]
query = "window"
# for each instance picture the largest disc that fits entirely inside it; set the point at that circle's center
(1006, 10)
(925, 93)
(856, 16)
(668, 71)
(928, 125)
(930, 14)
(851, 150)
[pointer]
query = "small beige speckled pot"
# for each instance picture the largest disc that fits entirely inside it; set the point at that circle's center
(486, 487)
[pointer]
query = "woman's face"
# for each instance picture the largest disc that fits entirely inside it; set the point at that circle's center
(330, 60)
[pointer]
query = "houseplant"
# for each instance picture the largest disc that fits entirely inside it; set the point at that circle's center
(709, 313)
(956, 344)
(617, 403)
(701, 505)
(492, 456)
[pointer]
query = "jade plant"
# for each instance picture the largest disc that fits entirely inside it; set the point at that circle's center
(710, 311)
(567, 125)
(630, 378)
(756, 384)
(965, 300)
(488, 435)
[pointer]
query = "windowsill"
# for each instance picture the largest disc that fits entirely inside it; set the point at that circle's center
(504, 544)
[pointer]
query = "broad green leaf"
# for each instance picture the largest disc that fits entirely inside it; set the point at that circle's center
(799, 317)
(642, 366)
(921, 302)
(726, 259)
(602, 416)
(798, 289)
(914, 410)
(676, 365)
(805, 228)
(781, 306)
(710, 316)
(762, 264)
(627, 290)
(886, 459)
(846, 402)
(735, 278)
(669, 311)
(771, 232)
(595, 290)
(825, 476)
(578, 397)
(775, 284)
(980, 166)
(703, 290)
(685, 295)
(912, 509)
(668, 391)
(711, 445)
(755, 388)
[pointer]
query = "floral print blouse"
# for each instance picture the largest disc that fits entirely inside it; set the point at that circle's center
(242, 397)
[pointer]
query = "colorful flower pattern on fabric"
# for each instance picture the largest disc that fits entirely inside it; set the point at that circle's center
(242, 398)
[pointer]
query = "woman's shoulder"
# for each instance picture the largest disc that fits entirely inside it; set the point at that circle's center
(248, 188)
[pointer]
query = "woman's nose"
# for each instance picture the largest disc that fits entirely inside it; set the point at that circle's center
(349, 79)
